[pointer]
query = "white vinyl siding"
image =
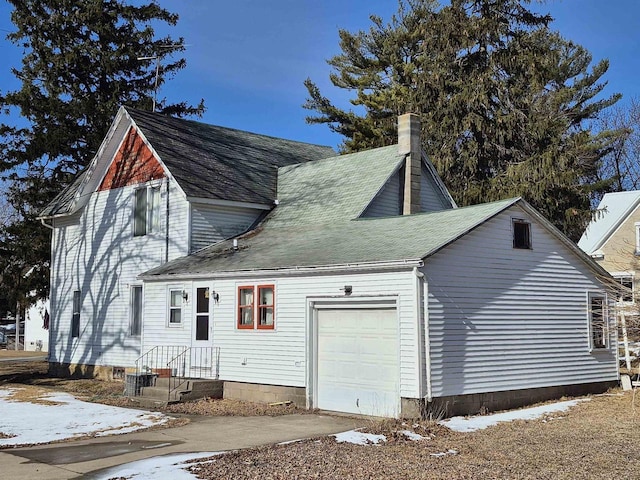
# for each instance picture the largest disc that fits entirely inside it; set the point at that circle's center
(388, 201)
(213, 223)
(279, 356)
(431, 197)
(505, 319)
(95, 252)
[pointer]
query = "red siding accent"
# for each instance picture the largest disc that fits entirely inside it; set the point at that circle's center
(133, 164)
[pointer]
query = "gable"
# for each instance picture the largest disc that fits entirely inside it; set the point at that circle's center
(134, 163)
(389, 200)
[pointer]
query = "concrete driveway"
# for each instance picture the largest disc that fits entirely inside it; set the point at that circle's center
(86, 458)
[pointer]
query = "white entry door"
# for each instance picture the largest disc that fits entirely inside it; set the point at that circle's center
(357, 361)
(202, 341)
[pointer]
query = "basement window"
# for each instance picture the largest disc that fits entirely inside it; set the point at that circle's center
(521, 234)
(597, 315)
(256, 315)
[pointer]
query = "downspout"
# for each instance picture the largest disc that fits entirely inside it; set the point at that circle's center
(422, 286)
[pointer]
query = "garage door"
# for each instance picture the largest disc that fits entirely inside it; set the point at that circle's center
(357, 361)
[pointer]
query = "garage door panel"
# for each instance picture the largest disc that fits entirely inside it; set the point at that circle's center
(357, 362)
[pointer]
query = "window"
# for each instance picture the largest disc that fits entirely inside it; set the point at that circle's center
(135, 322)
(146, 213)
(75, 318)
(175, 307)
(521, 234)
(625, 292)
(637, 225)
(265, 306)
(260, 316)
(245, 307)
(597, 321)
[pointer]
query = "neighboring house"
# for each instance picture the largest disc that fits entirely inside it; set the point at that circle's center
(612, 239)
(349, 283)
(36, 327)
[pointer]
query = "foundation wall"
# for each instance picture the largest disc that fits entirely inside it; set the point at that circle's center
(481, 403)
(253, 392)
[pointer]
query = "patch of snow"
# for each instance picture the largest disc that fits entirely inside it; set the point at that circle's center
(444, 454)
(412, 435)
(34, 423)
(471, 424)
(158, 468)
(359, 438)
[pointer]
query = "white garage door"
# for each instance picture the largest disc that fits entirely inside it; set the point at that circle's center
(357, 361)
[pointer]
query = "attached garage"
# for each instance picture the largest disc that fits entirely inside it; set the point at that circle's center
(357, 359)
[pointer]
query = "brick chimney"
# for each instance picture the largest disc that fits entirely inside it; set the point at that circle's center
(409, 145)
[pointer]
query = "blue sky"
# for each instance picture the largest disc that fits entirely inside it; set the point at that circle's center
(248, 58)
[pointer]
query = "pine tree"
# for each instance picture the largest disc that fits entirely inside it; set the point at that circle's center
(504, 101)
(81, 61)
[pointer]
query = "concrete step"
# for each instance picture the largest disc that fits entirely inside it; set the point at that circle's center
(162, 393)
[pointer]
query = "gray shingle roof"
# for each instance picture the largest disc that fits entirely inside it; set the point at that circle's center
(222, 163)
(410, 237)
(334, 188)
(212, 162)
(63, 202)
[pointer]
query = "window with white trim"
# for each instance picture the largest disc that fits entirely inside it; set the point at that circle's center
(135, 320)
(637, 225)
(598, 325)
(146, 210)
(521, 234)
(254, 314)
(175, 306)
(625, 291)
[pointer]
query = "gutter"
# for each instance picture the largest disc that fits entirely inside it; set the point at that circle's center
(287, 271)
(43, 222)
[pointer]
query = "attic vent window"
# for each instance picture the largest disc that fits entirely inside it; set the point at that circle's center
(521, 234)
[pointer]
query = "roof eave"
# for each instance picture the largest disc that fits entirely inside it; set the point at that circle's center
(408, 263)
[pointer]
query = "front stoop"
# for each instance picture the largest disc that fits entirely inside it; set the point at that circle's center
(190, 389)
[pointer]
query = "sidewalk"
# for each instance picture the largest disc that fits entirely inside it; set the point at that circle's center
(87, 458)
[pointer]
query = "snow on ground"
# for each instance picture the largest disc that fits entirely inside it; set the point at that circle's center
(359, 438)
(158, 468)
(31, 423)
(471, 424)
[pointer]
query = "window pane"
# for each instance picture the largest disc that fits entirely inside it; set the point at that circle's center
(202, 300)
(154, 209)
(246, 316)
(597, 322)
(246, 296)
(266, 296)
(626, 292)
(75, 318)
(140, 213)
(266, 316)
(521, 234)
(175, 316)
(136, 310)
(176, 298)
(202, 327)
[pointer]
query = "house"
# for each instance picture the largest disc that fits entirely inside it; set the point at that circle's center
(36, 327)
(350, 283)
(612, 239)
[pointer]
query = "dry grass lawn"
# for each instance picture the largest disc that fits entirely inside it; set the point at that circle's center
(597, 439)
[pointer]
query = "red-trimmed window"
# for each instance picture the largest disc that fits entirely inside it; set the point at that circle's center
(245, 307)
(256, 307)
(266, 303)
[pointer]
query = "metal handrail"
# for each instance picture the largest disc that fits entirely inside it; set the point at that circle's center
(193, 363)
